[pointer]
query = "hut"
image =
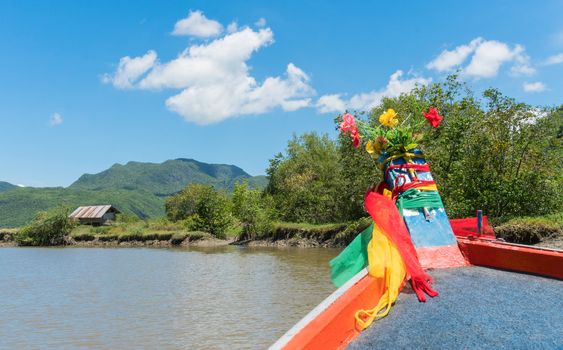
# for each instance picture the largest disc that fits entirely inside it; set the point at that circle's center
(95, 215)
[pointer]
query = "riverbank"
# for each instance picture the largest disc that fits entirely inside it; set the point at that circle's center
(543, 231)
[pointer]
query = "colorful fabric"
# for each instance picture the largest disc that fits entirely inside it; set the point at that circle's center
(384, 262)
(415, 198)
(352, 259)
(386, 216)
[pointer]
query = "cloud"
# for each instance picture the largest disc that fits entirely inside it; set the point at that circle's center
(538, 86)
(485, 59)
(196, 24)
(130, 70)
(261, 23)
(232, 27)
(56, 119)
(365, 101)
(450, 59)
(555, 59)
(215, 81)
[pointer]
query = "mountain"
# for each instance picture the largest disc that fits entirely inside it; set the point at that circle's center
(135, 188)
(4, 186)
(162, 179)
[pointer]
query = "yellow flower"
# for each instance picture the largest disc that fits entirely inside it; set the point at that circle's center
(370, 147)
(388, 118)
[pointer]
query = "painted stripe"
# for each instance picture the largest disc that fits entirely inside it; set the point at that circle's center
(440, 257)
(434, 233)
(286, 338)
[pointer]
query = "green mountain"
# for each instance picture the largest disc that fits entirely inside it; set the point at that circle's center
(4, 186)
(135, 188)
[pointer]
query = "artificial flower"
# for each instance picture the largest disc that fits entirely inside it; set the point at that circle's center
(388, 118)
(380, 143)
(370, 147)
(356, 139)
(433, 117)
(348, 126)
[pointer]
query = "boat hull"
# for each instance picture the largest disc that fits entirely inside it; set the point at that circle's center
(332, 324)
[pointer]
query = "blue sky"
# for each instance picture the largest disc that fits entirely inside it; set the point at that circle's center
(230, 82)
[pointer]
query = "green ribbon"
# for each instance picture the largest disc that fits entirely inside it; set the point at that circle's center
(413, 199)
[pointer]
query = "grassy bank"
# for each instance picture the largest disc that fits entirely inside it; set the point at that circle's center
(531, 230)
(544, 230)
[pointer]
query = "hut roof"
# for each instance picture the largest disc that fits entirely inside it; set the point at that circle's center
(92, 212)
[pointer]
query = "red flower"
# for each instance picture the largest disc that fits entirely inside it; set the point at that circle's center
(348, 126)
(433, 117)
(356, 139)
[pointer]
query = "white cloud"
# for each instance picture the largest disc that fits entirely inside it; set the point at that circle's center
(232, 27)
(261, 23)
(196, 24)
(331, 103)
(555, 59)
(130, 70)
(365, 101)
(537, 86)
(487, 56)
(56, 119)
(215, 81)
(450, 59)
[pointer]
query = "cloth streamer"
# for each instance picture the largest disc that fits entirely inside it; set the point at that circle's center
(386, 216)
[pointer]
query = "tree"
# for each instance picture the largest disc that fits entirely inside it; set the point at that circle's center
(251, 208)
(203, 207)
(306, 183)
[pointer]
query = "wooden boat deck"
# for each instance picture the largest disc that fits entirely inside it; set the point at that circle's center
(477, 308)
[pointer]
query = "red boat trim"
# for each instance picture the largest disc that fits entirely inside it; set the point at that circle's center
(513, 257)
(317, 311)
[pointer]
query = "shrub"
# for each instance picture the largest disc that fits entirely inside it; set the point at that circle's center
(203, 207)
(48, 228)
(250, 208)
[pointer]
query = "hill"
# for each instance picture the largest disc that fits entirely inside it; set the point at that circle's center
(135, 188)
(4, 186)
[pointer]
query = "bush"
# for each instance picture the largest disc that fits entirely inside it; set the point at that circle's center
(48, 228)
(250, 208)
(203, 207)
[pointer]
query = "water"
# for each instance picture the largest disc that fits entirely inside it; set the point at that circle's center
(141, 298)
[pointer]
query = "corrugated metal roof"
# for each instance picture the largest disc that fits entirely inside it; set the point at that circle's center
(91, 212)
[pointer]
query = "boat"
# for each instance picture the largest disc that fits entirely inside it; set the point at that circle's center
(501, 281)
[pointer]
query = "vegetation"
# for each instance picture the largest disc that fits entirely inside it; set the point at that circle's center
(253, 210)
(135, 188)
(202, 207)
(4, 186)
(48, 228)
(306, 183)
(494, 154)
(531, 230)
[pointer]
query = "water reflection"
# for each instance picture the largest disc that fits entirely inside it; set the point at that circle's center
(212, 298)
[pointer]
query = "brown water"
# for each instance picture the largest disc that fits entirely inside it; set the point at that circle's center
(140, 298)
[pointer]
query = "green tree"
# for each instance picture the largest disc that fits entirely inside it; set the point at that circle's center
(251, 208)
(306, 183)
(203, 207)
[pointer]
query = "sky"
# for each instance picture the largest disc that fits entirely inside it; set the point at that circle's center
(87, 84)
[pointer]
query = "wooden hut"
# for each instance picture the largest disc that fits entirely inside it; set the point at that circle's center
(95, 215)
